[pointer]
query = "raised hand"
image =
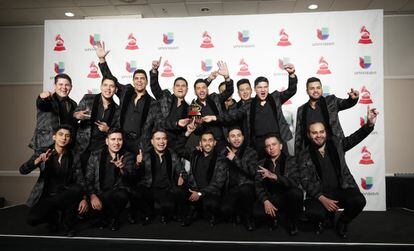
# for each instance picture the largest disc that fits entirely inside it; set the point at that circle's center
(372, 116)
(194, 195)
(290, 68)
(180, 180)
(156, 64)
(269, 208)
(139, 158)
(45, 95)
(230, 154)
(353, 94)
(266, 173)
(100, 51)
(213, 75)
(43, 157)
(118, 162)
(82, 115)
(102, 126)
(223, 70)
(190, 128)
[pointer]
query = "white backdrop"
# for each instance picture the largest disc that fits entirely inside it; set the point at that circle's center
(343, 49)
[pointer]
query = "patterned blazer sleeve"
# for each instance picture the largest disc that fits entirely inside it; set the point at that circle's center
(232, 116)
(45, 105)
(291, 176)
(82, 104)
(308, 180)
(344, 104)
(155, 85)
(355, 138)
(248, 163)
(29, 165)
(289, 92)
(219, 177)
(298, 131)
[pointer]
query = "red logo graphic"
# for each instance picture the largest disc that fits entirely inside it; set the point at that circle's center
(284, 38)
(59, 43)
(167, 70)
(132, 43)
(365, 36)
(206, 41)
(93, 71)
(323, 67)
(244, 68)
(365, 96)
(366, 157)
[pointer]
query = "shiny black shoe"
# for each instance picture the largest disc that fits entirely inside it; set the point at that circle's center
(274, 224)
(71, 233)
(342, 229)
(114, 224)
(319, 228)
(249, 224)
(132, 219)
(163, 219)
(186, 221)
(145, 221)
(293, 229)
(212, 221)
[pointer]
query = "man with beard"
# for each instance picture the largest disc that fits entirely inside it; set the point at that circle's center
(105, 177)
(53, 109)
(97, 113)
(277, 185)
(240, 163)
(139, 112)
(205, 179)
(211, 104)
(326, 178)
(263, 114)
(322, 109)
(161, 178)
(60, 185)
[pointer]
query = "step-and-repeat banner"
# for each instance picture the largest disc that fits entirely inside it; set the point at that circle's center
(343, 49)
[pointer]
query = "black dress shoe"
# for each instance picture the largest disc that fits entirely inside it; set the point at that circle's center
(212, 221)
(71, 233)
(319, 228)
(273, 224)
(186, 221)
(163, 220)
(145, 221)
(249, 224)
(293, 229)
(114, 224)
(342, 229)
(132, 219)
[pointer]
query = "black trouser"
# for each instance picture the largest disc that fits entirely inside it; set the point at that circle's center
(239, 199)
(142, 200)
(171, 199)
(113, 202)
(288, 201)
(351, 200)
(208, 203)
(46, 209)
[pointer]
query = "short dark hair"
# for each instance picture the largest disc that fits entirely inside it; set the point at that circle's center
(243, 81)
(141, 71)
(181, 78)
(115, 130)
(204, 132)
(221, 84)
(159, 129)
(273, 135)
(63, 126)
(200, 80)
(311, 80)
(235, 127)
(260, 79)
(64, 76)
(112, 78)
(316, 122)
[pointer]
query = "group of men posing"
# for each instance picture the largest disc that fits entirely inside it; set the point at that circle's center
(96, 157)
